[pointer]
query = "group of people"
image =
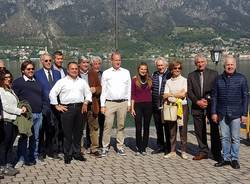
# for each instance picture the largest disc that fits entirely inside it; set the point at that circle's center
(50, 107)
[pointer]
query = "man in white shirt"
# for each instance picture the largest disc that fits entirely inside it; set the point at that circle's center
(115, 100)
(74, 95)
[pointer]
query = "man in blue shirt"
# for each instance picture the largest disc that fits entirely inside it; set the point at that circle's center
(229, 108)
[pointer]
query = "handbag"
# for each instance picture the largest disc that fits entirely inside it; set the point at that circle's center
(170, 111)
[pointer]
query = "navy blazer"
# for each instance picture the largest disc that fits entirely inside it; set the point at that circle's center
(41, 77)
(64, 70)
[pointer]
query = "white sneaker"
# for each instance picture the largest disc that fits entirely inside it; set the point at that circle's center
(19, 164)
(184, 155)
(170, 155)
(40, 162)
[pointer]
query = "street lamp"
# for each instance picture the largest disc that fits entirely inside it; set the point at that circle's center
(216, 53)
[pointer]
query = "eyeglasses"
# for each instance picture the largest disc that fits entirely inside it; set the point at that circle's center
(30, 69)
(2, 68)
(7, 77)
(177, 68)
(47, 60)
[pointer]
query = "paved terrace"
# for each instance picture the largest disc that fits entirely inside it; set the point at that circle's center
(137, 169)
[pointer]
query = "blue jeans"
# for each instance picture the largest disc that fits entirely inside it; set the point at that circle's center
(230, 131)
(34, 139)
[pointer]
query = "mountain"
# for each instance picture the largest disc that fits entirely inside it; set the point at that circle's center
(79, 22)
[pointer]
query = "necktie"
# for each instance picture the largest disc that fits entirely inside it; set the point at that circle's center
(201, 82)
(50, 77)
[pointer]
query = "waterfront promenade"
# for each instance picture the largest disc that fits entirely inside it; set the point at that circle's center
(137, 169)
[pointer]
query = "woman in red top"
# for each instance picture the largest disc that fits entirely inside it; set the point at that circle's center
(141, 106)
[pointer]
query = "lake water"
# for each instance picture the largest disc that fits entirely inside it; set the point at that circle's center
(243, 67)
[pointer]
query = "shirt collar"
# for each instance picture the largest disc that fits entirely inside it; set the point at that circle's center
(175, 78)
(84, 73)
(28, 79)
(113, 69)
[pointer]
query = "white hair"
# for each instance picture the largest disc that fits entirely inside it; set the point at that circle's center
(94, 58)
(161, 59)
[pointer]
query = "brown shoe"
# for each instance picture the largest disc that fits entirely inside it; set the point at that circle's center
(200, 157)
(97, 154)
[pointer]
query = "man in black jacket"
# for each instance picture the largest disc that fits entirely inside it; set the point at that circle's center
(200, 83)
(159, 80)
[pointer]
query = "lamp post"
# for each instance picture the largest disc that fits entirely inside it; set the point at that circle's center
(216, 53)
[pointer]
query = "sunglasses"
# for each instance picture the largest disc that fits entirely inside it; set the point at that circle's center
(29, 69)
(47, 60)
(177, 68)
(7, 77)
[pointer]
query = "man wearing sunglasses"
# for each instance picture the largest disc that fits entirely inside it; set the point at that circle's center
(47, 77)
(27, 88)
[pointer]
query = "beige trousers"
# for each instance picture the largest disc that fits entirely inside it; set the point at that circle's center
(120, 110)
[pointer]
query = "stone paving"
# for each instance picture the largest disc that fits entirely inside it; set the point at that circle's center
(137, 169)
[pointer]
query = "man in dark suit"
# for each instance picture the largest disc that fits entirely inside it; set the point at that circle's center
(200, 83)
(47, 77)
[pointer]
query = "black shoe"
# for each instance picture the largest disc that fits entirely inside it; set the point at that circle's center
(218, 158)
(235, 164)
(1, 176)
(30, 163)
(222, 163)
(79, 157)
(160, 150)
(67, 159)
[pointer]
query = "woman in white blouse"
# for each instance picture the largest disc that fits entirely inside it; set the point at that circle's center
(10, 112)
(176, 89)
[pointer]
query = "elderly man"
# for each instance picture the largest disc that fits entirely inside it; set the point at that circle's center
(96, 64)
(47, 77)
(229, 108)
(200, 83)
(91, 117)
(74, 95)
(115, 100)
(159, 80)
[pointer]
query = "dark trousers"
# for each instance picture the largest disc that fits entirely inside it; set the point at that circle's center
(101, 119)
(6, 146)
(48, 134)
(182, 131)
(57, 140)
(143, 116)
(87, 138)
(161, 130)
(72, 124)
(22, 150)
(201, 135)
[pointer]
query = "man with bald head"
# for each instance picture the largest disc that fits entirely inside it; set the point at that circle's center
(229, 108)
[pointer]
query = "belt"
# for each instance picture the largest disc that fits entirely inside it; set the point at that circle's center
(74, 105)
(118, 101)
